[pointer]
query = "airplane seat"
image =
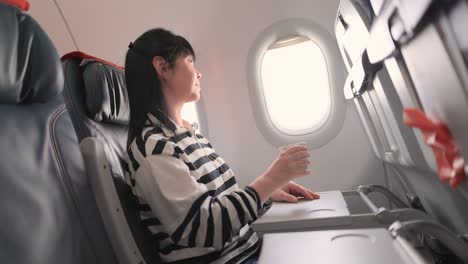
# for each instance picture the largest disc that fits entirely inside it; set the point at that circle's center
(408, 78)
(47, 211)
(97, 99)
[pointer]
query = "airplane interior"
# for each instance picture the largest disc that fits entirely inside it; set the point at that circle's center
(376, 89)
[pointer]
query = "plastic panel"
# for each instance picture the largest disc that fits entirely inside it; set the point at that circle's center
(108, 202)
(335, 246)
(443, 95)
(281, 216)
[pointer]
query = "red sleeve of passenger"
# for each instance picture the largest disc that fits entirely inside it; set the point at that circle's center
(21, 4)
(82, 55)
(450, 164)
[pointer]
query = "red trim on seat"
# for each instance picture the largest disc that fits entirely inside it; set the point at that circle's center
(21, 4)
(450, 164)
(82, 55)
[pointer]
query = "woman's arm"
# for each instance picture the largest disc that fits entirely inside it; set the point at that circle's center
(290, 164)
(190, 213)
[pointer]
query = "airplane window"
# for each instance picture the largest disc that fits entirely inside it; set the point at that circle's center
(190, 113)
(295, 85)
(295, 77)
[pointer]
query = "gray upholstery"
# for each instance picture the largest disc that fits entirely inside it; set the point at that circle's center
(97, 99)
(106, 97)
(47, 212)
(77, 97)
(20, 82)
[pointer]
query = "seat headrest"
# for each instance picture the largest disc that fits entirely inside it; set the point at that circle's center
(106, 98)
(30, 69)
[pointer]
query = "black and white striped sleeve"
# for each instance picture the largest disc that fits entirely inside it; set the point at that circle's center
(189, 213)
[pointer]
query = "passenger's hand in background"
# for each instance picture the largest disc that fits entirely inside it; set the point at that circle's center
(290, 192)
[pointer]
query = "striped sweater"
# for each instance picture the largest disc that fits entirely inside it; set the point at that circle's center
(189, 197)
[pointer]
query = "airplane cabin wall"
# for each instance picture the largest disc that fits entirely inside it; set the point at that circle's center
(48, 15)
(221, 33)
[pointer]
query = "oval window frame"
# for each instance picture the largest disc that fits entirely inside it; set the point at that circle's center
(326, 42)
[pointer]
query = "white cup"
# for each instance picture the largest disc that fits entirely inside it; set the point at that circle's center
(283, 148)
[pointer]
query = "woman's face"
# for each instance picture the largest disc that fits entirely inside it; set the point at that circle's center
(183, 80)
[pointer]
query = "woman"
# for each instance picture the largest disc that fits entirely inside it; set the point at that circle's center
(189, 196)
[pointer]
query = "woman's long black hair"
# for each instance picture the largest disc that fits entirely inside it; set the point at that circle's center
(143, 83)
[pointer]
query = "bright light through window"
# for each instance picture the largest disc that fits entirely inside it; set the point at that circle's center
(190, 113)
(295, 85)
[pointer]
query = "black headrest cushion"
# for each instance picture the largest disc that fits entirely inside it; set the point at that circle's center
(106, 95)
(30, 69)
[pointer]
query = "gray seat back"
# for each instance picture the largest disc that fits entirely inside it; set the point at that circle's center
(96, 96)
(406, 77)
(47, 210)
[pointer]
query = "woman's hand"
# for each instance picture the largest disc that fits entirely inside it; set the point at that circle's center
(292, 162)
(290, 192)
